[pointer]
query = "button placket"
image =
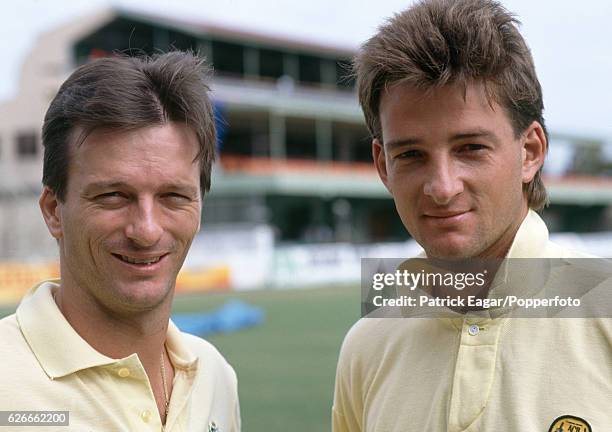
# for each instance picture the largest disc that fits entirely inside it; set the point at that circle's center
(474, 371)
(473, 330)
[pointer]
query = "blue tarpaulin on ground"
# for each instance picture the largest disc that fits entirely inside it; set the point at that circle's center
(232, 316)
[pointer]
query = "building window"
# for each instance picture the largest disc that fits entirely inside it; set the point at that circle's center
(228, 58)
(246, 134)
(180, 41)
(26, 144)
(301, 138)
(351, 142)
(310, 69)
(270, 63)
(123, 35)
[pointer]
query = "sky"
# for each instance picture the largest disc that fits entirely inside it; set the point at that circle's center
(571, 41)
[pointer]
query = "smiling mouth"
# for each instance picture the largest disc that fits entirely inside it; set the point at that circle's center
(139, 261)
(446, 215)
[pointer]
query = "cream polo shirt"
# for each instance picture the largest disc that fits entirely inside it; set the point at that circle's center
(478, 374)
(45, 365)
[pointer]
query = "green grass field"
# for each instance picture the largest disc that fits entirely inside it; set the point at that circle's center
(285, 366)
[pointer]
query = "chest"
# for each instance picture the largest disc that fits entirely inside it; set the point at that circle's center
(510, 376)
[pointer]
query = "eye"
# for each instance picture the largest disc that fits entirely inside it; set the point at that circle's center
(409, 154)
(176, 197)
(111, 195)
(472, 147)
(112, 198)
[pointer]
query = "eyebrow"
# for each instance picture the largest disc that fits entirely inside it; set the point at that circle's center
(101, 185)
(477, 133)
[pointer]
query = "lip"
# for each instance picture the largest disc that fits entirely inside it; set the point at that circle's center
(142, 268)
(445, 214)
(446, 218)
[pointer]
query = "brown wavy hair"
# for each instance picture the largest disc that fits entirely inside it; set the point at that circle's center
(454, 42)
(128, 93)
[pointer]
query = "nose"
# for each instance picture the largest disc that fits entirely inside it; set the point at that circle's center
(144, 227)
(442, 183)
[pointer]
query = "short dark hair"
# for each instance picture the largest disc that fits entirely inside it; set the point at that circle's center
(128, 93)
(444, 42)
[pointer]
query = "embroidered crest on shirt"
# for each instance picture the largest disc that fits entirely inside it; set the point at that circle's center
(568, 423)
(212, 427)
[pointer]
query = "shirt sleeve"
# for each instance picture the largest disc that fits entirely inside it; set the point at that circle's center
(237, 424)
(236, 420)
(347, 408)
(339, 423)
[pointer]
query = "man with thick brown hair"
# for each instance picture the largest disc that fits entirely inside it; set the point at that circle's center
(129, 143)
(454, 106)
(463, 42)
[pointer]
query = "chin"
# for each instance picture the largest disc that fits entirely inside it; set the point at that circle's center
(449, 249)
(143, 295)
(447, 254)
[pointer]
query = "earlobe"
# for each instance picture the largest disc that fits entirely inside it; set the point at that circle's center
(49, 206)
(533, 151)
(380, 162)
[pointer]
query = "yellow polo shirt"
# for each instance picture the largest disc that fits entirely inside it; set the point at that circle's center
(45, 365)
(473, 373)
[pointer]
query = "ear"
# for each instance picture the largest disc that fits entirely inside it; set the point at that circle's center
(49, 206)
(380, 162)
(533, 151)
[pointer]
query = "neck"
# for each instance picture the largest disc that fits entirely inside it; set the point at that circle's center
(502, 246)
(114, 335)
(118, 336)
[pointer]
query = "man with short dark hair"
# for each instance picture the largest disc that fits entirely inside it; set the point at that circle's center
(454, 106)
(129, 144)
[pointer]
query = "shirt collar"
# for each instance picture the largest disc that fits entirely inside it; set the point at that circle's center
(58, 347)
(180, 355)
(530, 241)
(531, 238)
(523, 277)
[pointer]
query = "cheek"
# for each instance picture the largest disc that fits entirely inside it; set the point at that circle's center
(405, 182)
(407, 211)
(189, 232)
(187, 226)
(501, 177)
(512, 182)
(92, 227)
(407, 195)
(514, 164)
(73, 226)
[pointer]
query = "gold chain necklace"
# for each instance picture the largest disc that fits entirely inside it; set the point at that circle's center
(166, 399)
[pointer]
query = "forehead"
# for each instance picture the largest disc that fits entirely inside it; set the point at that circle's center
(451, 108)
(161, 151)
